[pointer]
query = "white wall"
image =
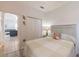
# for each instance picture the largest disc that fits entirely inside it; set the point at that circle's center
(67, 14)
(1, 32)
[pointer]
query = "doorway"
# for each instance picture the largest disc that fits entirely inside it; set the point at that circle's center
(9, 23)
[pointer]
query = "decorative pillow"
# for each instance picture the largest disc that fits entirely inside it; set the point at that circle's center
(56, 35)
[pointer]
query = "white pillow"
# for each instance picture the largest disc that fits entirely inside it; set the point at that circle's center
(68, 37)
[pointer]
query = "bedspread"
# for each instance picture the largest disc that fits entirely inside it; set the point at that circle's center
(48, 47)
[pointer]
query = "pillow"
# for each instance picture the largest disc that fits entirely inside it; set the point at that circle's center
(68, 37)
(56, 35)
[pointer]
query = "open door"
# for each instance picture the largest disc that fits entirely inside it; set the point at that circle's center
(9, 25)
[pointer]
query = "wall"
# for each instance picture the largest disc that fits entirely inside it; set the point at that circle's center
(67, 14)
(1, 32)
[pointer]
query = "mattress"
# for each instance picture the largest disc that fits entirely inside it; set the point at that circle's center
(48, 47)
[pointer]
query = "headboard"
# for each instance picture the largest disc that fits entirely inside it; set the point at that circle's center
(65, 29)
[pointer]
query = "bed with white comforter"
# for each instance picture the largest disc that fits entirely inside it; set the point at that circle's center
(48, 47)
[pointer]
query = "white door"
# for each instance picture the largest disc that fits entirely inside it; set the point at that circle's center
(34, 28)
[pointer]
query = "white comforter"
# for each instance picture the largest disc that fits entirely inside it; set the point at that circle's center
(48, 47)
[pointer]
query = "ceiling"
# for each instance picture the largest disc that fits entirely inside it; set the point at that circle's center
(46, 6)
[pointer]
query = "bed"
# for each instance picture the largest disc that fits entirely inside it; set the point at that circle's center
(48, 47)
